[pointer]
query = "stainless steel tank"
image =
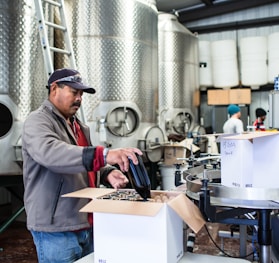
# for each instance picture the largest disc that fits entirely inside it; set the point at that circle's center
(115, 44)
(178, 75)
(23, 78)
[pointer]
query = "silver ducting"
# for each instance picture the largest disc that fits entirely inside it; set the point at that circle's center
(115, 44)
(23, 77)
(178, 75)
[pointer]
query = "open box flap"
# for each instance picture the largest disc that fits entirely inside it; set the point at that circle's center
(188, 211)
(188, 143)
(123, 207)
(178, 201)
(89, 192)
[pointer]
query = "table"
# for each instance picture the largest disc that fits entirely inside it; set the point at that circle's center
(187, 258)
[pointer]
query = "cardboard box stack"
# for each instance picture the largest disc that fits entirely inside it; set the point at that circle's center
(228, 96)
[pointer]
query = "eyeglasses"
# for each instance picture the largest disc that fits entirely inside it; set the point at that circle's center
(70, 79)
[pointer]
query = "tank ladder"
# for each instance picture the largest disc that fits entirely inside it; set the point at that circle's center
(44, 30)
(44, 25)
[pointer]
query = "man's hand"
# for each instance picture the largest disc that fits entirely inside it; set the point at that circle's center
(117, 179)
(121, 157)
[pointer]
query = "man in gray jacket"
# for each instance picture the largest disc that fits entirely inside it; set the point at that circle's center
(58, 158)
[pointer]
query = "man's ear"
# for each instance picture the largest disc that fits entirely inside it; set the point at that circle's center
(53, 87)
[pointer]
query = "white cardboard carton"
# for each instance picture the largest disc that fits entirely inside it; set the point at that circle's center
(136, 231)
(250, 160)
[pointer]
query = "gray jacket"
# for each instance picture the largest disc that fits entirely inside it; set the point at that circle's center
(54, 165)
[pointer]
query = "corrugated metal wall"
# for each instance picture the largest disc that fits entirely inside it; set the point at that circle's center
(267, 11)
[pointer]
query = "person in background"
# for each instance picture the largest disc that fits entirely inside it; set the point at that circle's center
(259, 122)
(234, 124)
(58, 158)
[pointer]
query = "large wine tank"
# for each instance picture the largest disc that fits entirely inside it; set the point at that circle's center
(178, 75)
(115, 43)
(23, 78)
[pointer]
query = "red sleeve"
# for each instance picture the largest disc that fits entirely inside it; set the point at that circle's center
(98, 161)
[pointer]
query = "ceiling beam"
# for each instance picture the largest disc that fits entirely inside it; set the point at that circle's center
(207, 2)
(219, 9)
(260, 22)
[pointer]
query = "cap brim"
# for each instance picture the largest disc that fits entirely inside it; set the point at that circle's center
(80, 86)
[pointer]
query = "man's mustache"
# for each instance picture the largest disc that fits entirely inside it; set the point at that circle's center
(76, 104)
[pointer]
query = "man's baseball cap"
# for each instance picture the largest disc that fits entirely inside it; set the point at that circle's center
(233, 109)
(69, 77)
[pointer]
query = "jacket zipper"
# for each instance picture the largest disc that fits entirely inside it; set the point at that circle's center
(56, 200)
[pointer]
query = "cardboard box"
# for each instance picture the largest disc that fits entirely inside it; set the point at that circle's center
(240, 96)
(196, 98)
(229, 96)
(218, 97)
(135, 231)
(250, 160)
(173, 151)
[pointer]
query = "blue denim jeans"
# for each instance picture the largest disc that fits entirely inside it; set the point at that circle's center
(62, 247)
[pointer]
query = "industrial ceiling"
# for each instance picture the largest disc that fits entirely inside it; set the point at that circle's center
(192, 10)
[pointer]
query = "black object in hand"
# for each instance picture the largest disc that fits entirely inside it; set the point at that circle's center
(140, 178)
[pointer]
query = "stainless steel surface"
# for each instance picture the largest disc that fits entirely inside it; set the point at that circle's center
(178, 74)
(22, 66)
(247, 193)
(265, 254)
(226, 202)
(151, 143)
(237, 193)
(220, 195)
(23, 79)
(8, 141)
(115, 43)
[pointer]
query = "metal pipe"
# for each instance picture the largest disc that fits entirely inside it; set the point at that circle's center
(264, 235)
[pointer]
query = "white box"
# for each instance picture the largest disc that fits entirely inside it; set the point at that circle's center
(250, 160)
(236, 163)
(266, 162)
(131, 238)
(136, 231)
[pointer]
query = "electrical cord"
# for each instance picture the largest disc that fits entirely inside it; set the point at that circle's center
(225, 253)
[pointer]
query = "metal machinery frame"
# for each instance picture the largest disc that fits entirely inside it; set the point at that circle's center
(226, 205)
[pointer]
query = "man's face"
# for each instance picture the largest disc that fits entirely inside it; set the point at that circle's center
(66, 99)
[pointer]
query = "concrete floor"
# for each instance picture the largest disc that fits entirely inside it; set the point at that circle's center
(17, 246)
